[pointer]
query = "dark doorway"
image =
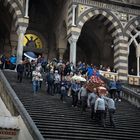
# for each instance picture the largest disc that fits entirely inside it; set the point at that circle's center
(95, 44)
(132, 60)
(5, 29)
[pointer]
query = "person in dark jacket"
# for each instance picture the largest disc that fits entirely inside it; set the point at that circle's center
(75, 87)
(20, 70)
(82, 97)
(91, 102)
(112, 89)
(119, 88)
(50, 82)
(63, 91)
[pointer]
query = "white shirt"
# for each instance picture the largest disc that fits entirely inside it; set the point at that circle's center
(99, 104)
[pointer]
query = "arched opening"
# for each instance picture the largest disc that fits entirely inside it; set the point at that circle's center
(45, 18)
(95, 44)
(134, 41)
(5, 30)
(132, 60)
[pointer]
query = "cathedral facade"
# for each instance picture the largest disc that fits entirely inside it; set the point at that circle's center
(93, 31)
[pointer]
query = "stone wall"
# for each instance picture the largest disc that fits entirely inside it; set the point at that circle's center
(28, 129)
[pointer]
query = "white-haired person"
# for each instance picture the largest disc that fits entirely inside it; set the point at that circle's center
(111, 110)
(36, 78)
(99, 109)
(57, 80)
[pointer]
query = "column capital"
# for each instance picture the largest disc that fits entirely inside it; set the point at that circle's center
(74, 5)
(21, 29)
(73, 38)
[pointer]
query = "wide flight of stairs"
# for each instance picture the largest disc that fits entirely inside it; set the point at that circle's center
(57, 120)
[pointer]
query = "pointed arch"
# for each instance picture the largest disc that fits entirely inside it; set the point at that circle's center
(91, 13)
(133, 35)
(115, 29)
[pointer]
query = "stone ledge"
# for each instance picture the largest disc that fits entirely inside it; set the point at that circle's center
(7, 122)
(131, 96)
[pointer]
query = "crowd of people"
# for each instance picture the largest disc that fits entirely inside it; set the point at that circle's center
(8, 62)
(57, 77)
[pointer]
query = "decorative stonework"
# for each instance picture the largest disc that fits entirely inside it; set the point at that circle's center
(123, 17)
(16, 12)
(82, 9)
(130, 17)
(21, 2)
(110, 7)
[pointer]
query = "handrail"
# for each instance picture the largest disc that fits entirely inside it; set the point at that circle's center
(35, 133)
(132, 92)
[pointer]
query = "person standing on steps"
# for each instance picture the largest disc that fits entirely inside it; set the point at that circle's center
(91, 102)
(112, 89)
(36, 80)
(20, 71)
(75, 87)
(57, 80)
(82, 97)
(50, 82)
(111, 110)
(119, 89)
(63, 92)
(99, 109)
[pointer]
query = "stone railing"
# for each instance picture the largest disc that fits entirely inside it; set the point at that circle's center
(131, 93)
(16, 108)
(131, 96)
(109, 75)
(134, 80)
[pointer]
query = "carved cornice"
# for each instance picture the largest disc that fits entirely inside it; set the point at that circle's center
(112, 7)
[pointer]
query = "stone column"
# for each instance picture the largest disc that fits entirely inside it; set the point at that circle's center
(121, 57)
(73, 40)
(138, 60)
(73, 14)
(14, 42)
(21, 31)
(26, 8)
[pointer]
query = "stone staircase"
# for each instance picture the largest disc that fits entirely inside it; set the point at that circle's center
(57, 120)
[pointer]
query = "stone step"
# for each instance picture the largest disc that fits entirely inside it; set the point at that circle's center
(56, 120)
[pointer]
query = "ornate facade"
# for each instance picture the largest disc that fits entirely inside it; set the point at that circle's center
(120, 21)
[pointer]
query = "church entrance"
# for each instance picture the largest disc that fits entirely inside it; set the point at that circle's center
(95, 44)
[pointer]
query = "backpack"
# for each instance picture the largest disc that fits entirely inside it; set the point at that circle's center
(50, 78)
(63, 89)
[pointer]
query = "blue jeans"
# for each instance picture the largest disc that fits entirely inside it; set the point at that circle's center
(36, 86)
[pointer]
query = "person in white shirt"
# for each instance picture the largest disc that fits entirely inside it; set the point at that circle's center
(36, 78)
(99, 109)
(57, 80)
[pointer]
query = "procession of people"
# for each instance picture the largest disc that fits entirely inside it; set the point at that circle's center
(81, 84)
